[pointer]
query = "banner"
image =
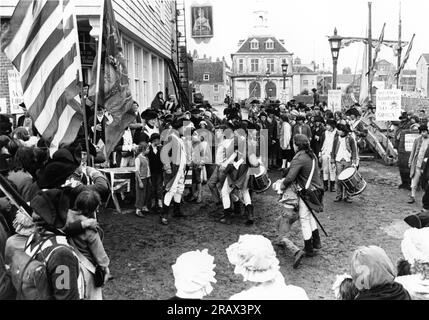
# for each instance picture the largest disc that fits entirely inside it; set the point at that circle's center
(388, 105)
(409, 141)
(16, 95)
(334, 100)
(201, 22)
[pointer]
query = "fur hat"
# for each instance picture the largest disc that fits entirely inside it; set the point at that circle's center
(149, 114)
(331, 123)
(58, 169)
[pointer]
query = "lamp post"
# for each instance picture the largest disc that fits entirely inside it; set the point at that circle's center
(335, 43)
(268, 73)
(284, 71)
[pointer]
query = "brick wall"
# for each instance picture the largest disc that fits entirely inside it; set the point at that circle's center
(5, 65)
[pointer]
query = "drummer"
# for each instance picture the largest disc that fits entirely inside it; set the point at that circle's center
(344, 155)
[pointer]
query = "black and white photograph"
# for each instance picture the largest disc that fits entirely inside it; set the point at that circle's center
(285, 158)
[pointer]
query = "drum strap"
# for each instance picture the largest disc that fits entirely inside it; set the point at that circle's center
(310, 177)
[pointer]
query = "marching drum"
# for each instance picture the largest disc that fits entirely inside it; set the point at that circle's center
(261, 182)
(351, 179)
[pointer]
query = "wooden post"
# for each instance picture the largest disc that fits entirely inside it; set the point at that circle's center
(369, 49)
(97, 80)
(399, 47)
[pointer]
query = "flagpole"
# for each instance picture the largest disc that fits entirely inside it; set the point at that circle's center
(97, 81)
(82, 99)
(399, 46)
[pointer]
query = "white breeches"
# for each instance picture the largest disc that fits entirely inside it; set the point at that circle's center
(308, 224)
(239, 194)
(176, 193)
(328, 168)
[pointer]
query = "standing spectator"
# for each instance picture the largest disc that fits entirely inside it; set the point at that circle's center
(318, 136)
(143, 178)
(285, 141)
(137, 124)
(344, 155)
(302, 128)
(158, 102)
(155, 166)
(316, 97)
(127, 149)
(328, 167)
(419, 153)
(272, 141)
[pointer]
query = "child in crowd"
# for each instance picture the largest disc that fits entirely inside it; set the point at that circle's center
(156, 166)
(142, 179)
(89, 242)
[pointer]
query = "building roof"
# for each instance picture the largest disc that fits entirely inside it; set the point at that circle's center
(302, 69)
(215, 70)
(278, 47)
(425, 56)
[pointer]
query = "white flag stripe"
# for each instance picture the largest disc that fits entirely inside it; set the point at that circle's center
(63, 124)
(66, 79)
(46, 68)
(39, 40)
(17, 43)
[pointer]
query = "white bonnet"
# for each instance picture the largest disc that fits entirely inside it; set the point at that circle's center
(254, 258)
(415, 245)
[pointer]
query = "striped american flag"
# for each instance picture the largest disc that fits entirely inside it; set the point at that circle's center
(42, 43)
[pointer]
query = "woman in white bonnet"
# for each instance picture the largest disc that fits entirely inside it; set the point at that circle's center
(415, 248)
(255, 259)
(193, 274)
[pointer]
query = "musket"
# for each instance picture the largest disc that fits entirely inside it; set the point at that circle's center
(14, 197)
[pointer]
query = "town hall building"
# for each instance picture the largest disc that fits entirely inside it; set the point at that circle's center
(257, 65)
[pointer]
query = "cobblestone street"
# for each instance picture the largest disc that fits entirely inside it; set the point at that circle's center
(142, 251)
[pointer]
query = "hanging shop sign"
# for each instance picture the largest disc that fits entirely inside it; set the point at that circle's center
(202, 22)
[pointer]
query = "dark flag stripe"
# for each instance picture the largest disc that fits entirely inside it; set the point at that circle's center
(15, 23)
(39, 103)
(61, 104)
(49, 45)
(43, 16)
(72, 129)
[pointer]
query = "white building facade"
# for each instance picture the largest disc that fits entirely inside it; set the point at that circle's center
(257, 65)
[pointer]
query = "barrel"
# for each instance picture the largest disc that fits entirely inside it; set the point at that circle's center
(406, 140)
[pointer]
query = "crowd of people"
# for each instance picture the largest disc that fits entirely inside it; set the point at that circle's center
(50, 204)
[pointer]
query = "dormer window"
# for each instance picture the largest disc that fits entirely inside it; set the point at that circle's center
(254, 44)
(269, 44)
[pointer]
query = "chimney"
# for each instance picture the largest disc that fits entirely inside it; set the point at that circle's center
(240, 42)
(282, 41)
(217, 59)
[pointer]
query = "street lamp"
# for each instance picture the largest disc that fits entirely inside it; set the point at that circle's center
(335, 43)
(284, 71)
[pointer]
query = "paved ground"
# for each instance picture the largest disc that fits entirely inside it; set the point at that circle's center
(142, 251)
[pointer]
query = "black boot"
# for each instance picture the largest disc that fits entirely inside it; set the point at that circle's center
(237, 208)
(176, 210)
(308, 248)
(316, 240)
(249, 213)
(226, 215)
(332, 186)
(325, 184)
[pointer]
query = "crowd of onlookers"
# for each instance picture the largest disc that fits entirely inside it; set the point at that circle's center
(373, 276)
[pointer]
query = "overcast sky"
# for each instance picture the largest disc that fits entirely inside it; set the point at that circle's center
(304, 25)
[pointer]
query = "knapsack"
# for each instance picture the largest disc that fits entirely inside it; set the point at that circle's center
(28, 270)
